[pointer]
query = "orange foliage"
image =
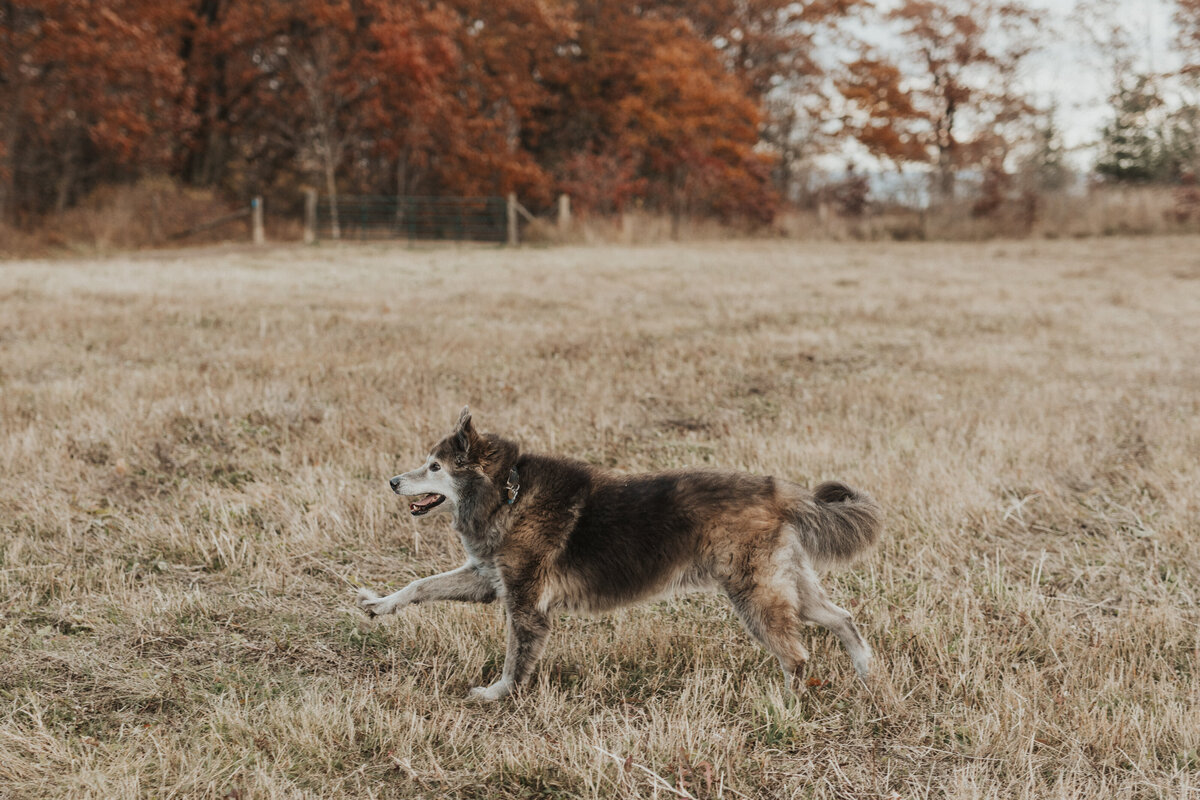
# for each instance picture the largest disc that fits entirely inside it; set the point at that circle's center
(659, 105)
(885, 128)
(950, 97)
(85, 89)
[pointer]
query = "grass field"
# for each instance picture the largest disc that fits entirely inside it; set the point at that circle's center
(194, 450)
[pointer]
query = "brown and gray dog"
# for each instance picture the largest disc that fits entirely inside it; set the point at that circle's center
(545, 534)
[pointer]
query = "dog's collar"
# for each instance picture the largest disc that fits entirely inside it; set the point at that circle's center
(512, 486)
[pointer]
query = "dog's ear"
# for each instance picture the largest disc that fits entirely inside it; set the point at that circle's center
(464, 433)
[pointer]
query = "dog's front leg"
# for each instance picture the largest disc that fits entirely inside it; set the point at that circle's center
(527, 632)
(469, 583)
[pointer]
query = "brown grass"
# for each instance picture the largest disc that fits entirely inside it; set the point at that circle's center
(152, 212)
(193, 455)
(1101, 211)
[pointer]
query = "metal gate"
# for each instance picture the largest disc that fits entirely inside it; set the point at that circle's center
(481, 219)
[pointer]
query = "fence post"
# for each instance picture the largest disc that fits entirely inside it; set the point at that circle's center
(564, 212)
(513, 233)
(256, 213)
(156, 234)
(310, 215)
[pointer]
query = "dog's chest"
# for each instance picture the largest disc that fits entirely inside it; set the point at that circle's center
(480, 546)
(488, 571)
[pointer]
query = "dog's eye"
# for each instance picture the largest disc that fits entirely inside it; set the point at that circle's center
(434, 467)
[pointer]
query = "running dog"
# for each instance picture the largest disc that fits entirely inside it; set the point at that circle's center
(545, 534)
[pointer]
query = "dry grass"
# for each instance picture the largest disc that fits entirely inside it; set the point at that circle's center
(193, 455)
(1101, 211)
(121, 217)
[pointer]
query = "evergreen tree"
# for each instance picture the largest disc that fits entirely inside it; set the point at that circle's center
(1180, 143)
(1131, 148)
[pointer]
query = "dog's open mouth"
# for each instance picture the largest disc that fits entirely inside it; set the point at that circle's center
(425, 504)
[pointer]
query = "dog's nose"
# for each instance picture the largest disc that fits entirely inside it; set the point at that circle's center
(395, 482)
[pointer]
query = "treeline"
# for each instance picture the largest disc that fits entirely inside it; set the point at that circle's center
(678, 106)
(610, 101)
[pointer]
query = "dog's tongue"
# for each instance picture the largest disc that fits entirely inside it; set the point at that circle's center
(427, 500)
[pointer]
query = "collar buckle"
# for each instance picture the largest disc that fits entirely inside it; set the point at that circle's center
(512, 486)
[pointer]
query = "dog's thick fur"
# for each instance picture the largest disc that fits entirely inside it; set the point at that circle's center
(582, 539)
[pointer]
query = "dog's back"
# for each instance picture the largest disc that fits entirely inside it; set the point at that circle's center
(632, 537)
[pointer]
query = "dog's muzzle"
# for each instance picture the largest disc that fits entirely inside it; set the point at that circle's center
(425, 504)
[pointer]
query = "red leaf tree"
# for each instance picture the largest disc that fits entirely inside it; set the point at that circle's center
(89, 92)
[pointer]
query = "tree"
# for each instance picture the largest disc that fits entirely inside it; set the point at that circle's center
(1187, 18)
(950, 97)
(659, 103)
(884, 116)
(296, 91)
(783, 51)
(695, 130)
(513, 58)
(1045, 165)
(1131, 148)
(650, 105)
(90, 92)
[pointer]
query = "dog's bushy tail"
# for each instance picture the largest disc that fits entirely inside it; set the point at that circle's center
(838, 524)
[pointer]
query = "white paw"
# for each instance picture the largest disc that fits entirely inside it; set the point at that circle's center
(375, 605)
(489, 694)
(862, 665)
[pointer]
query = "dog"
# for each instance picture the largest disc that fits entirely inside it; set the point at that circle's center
(545, 534)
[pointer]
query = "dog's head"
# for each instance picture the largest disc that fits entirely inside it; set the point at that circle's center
(461, 467)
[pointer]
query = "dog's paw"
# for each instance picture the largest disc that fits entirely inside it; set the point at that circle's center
(862, 665)
(490, 694)
(371, 603)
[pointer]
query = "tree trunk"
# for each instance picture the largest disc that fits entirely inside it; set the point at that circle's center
(204, 152)
(66, 179)
(335, 228)
(946, 177)
(678, 198)
(8, 158)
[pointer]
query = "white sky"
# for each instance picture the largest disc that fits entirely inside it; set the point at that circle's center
(1070, 72)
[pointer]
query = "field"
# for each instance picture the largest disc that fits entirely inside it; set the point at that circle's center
(194, 448)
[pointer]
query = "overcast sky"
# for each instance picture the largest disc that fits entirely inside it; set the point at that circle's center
(1070, 73)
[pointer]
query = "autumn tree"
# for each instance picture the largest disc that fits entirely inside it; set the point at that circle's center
(512, 61)
(695, 131)
(1187, 20)
(785, 52)
(884, 115)
(660, 104)
(950, 96)
(647, 105)
(89, 92)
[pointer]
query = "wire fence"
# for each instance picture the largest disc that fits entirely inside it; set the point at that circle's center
(483, 219)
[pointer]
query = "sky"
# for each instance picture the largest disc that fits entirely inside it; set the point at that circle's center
(1071, 74)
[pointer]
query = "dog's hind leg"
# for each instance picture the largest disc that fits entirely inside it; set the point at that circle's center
(816, 607)
(770, 614)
